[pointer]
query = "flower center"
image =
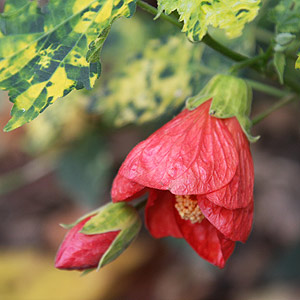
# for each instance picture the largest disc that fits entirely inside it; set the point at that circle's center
(188, 209)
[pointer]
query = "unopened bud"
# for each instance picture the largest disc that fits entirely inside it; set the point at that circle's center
(99, 237)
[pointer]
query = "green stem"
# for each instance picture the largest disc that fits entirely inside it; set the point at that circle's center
(209, 41)
(258, 86)
(292, 84)
(257, 62)
(284, 101)
(212, 43)
(244, 64)
(154, 11)
(267, 89)
(263, 35)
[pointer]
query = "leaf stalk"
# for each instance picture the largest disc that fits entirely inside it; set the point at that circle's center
(256, 63)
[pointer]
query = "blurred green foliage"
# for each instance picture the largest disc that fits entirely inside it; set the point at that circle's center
(154, 82)
(149, 71)
(84, 170)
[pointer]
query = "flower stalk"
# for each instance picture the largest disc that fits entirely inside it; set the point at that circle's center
(284, 101)
(252, 63)
(207, 39)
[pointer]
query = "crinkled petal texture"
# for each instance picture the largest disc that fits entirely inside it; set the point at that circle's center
(79, 251)
(192, 154)
(235, 224)
(239, 192)
(207, 241)
(202, 156)
(162, 219)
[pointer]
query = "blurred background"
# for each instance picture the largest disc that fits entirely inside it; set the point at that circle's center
(62, 164)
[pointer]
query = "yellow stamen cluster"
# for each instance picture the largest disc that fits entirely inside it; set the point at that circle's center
(188, 209)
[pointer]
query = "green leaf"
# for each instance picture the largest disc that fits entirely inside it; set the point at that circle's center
(286, 16)
(43, 50)
(297, 66)
(279, 63)
(230, 15)
(95, 47)
(156, 81)
(115, 217)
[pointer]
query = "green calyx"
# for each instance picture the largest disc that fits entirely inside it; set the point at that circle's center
(231, 97)
(114, 217)
(111, 217)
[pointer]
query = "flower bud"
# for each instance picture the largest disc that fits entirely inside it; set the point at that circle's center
(99, 237)
(231, 97)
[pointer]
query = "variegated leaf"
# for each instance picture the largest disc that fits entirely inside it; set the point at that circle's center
(297, 66)
(43, 50)
(197, 15)
(157, 81)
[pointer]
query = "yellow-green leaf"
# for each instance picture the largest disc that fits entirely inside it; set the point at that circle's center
(153, 83)
(230, 15)
(43, 50)
(298, 62)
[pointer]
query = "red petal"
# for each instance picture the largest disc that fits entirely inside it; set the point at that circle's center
(124, 189)
(205, 239)
(227, 246)
(79, 251)
(192, 154)
(239, 192)
(234, 224)
(159, 215)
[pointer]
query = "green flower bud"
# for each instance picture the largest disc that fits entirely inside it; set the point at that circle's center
(283, 40)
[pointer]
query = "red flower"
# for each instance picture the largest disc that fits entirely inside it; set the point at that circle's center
(198, 171)
(79, 251)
